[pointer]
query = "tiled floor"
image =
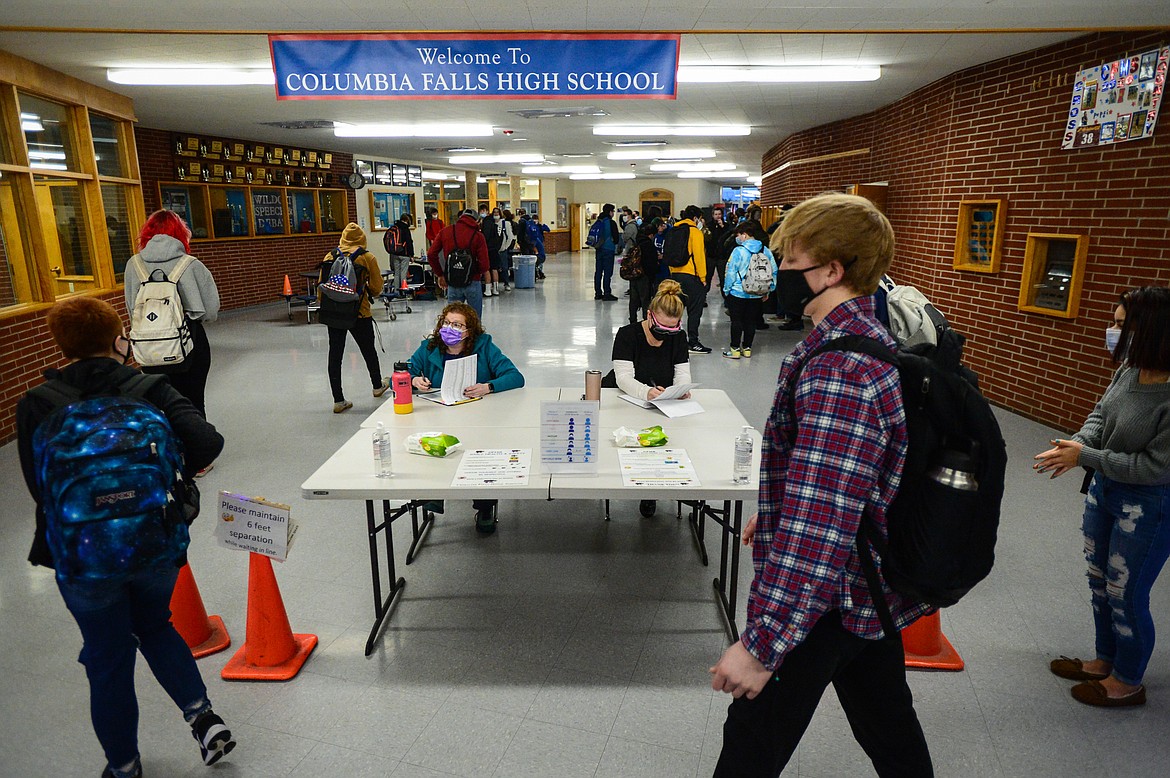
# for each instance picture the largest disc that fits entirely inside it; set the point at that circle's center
(562, 645)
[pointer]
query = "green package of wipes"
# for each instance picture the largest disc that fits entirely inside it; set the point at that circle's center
(432, 444)
(652, 436)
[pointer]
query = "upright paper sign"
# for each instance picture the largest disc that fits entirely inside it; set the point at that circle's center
(255, 524)
(569, 436)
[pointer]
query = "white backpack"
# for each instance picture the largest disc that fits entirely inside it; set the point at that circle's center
(757, 279)
(914, 321)
(158, 324)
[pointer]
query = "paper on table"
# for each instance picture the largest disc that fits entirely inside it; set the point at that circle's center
(676, 408)
(668, 394)
(493, 467)
(656, 467)
(458, 374)
(675, 392)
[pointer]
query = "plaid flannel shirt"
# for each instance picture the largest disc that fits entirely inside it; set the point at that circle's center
(818, 479)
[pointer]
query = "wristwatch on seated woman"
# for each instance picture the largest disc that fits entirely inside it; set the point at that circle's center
(490, 387)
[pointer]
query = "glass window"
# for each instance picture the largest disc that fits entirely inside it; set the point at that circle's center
(188, 203)
(332, 209)
(504, 193)
(454, 190)
(16, 285)
(229, 211)
(431, 190)
(303, 211)
(449, 210)
(107, 151)
(47, 133)
(118, 231)
(268, 212)
(481, 189)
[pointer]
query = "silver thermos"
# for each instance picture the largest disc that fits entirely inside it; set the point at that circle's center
(956, 470)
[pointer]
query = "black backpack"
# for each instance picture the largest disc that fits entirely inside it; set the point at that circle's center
(344, 284)
(676, 250)
(460, 264)
(941, 538)
(393, 241)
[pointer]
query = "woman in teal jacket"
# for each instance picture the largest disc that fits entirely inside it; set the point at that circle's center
(458, 333)
(745, 306)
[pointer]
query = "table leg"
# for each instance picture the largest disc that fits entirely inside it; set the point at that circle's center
(727, 584)
(382, 607)
(418, 530)
(698, 522)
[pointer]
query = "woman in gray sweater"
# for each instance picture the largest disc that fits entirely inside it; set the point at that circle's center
(1126, 439)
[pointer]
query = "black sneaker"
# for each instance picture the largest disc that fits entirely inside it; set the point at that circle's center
(137, 773)
(699, 348)
(791, 325)
(647, 508)
(609, 298)
(214, 738)
(485, 521)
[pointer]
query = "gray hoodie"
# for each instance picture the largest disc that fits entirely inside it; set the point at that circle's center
(196, 286)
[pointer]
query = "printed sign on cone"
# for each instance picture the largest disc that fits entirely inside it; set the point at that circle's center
(256, 525)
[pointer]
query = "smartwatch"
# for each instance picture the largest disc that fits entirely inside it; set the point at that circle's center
(490, 387)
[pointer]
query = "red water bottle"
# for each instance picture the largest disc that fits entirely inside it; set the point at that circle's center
(400, 383)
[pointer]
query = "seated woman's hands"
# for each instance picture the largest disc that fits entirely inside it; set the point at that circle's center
(655, 391)
(421, 382)
(477, 390)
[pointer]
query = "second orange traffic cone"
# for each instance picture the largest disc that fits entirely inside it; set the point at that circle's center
(927, 647)
(287, 286)
(203, 634)
(271, 652)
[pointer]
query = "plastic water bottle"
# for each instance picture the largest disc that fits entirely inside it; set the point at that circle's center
(741, 466)
(382, 467)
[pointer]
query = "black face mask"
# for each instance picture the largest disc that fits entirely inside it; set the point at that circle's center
(661, 333)
(792, 290)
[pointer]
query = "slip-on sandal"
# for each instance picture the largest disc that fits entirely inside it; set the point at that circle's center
(1093, 693)
(1074, 670)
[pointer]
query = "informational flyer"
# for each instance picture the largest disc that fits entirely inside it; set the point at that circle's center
(663, 467)
(569, 436)
(1116, 101)
(256, 525)
(493, 467)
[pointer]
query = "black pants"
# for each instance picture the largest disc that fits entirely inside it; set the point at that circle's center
(869, 677)
(363, 333)
(641, 292)
(744, 313)
(694, 295)
(192, 381)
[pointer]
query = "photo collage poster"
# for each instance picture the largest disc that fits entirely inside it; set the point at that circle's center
(1117, 101)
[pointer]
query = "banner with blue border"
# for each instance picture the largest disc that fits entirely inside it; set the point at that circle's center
(485, 66)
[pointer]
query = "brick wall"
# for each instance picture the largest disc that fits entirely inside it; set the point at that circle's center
(994, 131)
(247, 272)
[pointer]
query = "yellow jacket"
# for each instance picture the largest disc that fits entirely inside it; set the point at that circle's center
(697, 247)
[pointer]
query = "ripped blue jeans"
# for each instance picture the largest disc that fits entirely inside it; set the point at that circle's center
(1127, 541)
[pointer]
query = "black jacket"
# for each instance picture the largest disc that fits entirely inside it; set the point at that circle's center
(648, 253)
(407, 239)
(96, 377)
(490, 227)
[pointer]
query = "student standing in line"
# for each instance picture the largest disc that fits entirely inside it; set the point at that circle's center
(463, 234)
(745, 307)
(353, 243)
(642, 289)
(691, 276)
(1126, 523)
(507, 246)
(493, 235)
(435, 225)
(605, 250)
(120, 615)
(399, 245)
(833, 453)
(458, 333)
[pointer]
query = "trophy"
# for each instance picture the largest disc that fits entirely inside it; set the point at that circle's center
(248, 155)
(205, 173)
(227, 175)
(248, 176)
(203, 149)
(287, 178)
(178, 147)
(182, 173)
(268, 157)
(268, 177)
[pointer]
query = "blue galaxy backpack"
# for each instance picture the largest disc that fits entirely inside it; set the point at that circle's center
(109, 471)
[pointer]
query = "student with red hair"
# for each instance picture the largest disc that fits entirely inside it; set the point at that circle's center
(164, 241)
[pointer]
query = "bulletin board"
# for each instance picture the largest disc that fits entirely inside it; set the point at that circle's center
(1116, 101)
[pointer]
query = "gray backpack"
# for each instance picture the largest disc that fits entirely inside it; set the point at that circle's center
(757, 279)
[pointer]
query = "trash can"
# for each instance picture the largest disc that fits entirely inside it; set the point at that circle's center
(525, 271)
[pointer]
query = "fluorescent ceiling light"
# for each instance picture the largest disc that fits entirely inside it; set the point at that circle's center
(531, 182)
(191, 76)
(757, 180)
(669, 166)
(715, 176)
(635, 143)
(600, 176)
(435, 175)
(489, 159)
(658, 129)
(664, 154)
(436, 130)
(723, 74)
(559, 169)
(47, 165)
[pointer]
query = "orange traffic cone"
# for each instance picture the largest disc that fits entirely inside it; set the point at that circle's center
(203, 634)
(287, 287)
(404, 287)
(271, 652)
(927, 647)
